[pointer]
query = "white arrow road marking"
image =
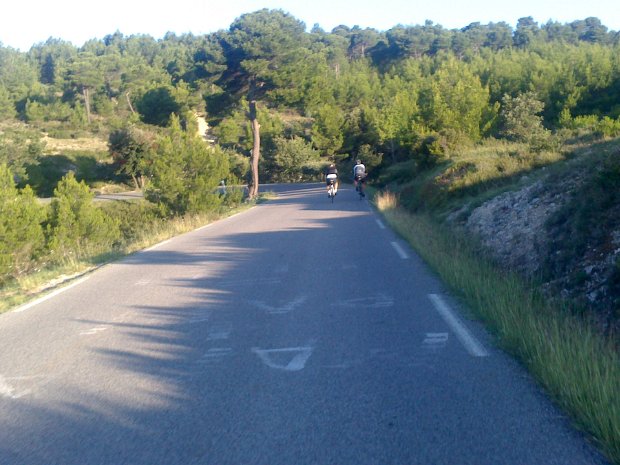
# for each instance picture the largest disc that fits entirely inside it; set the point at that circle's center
(435, 341)
(6, 390)
(375, 301)
(215, 355)
(198, 316)
(219, 332)
(92, 331)
(467, 339)
(199, 319)
(298, 362)
(286, 308)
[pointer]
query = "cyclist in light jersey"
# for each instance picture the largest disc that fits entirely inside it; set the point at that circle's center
(359, 176)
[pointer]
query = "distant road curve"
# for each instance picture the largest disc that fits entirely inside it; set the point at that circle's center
(128, 195)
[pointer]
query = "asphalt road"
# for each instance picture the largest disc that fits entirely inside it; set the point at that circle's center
(298, 332)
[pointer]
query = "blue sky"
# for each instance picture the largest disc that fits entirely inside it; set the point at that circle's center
(27, 22)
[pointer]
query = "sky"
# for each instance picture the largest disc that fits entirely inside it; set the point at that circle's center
(24, 23)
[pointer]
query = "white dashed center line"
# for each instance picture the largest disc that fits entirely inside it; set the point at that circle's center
(399, 250)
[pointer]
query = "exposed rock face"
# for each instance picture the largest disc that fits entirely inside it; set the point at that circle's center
(513, 227)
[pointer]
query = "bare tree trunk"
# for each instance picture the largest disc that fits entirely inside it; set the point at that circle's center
(86, 94)
(129, 103)
(253, 187)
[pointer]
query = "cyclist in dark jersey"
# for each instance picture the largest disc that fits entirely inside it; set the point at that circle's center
(331, 174)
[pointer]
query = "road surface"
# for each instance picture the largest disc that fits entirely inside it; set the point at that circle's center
(298, 332)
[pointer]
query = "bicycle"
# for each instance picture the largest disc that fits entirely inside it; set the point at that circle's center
(358, 186)
(331, 190)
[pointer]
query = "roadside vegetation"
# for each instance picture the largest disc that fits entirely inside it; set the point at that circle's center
(571, 351)
(580, 369)
(141, 226)
(580, 235)
(73, 233)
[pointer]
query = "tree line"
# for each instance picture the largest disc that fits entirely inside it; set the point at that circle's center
(396, 92)
(287, 100)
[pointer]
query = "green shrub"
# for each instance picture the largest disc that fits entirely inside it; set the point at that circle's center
(37, 112)
(132, 149)
(21, 232)
(135, 219)
(587, 122)
(293, 160)
(186, 173)
(591, 124)
(522, 121)
(19, 148)
(156, 106)
(239, 164)
(608, 127)
(7, 107)
(370, 157)
(76, 227)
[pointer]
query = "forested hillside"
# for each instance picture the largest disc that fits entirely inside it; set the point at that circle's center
(440, 115)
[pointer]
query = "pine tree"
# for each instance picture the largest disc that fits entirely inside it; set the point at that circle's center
(21, 233)
(76, 227)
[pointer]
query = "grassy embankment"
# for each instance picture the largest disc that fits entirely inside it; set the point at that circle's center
(578, 367)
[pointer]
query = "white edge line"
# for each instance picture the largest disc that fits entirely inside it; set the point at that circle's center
(222, 220)
(49, 296)
(380, 223)
(215, 222)
(204, 227)
(157, 245)
(399, 250)
(200, 228)
(467, 339)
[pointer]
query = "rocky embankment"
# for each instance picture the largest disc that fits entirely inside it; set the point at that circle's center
(515, 228)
